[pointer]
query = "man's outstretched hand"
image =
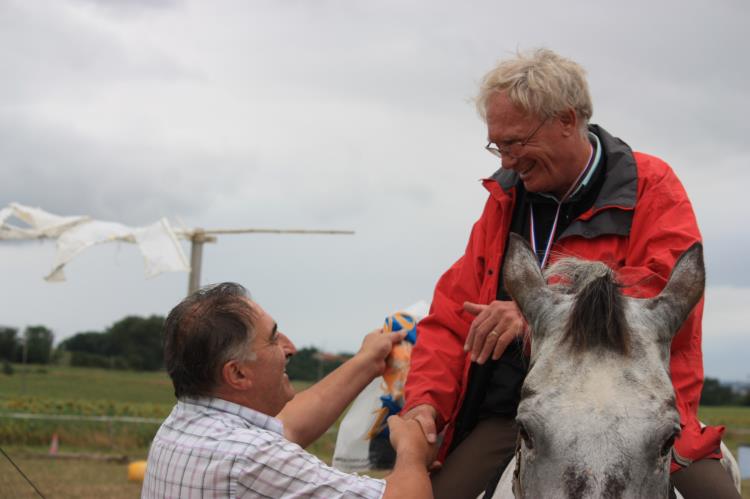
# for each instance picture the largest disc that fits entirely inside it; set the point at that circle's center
(376, 347)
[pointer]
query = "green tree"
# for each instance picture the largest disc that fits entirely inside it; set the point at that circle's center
(303, 366)
(131, 343)
(138, 341)
(8, 343)
(38, 344)
(94, 342)
(310, 364)
(90, 349)
(715, 393)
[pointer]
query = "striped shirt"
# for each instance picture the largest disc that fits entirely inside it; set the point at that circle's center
(210, 447)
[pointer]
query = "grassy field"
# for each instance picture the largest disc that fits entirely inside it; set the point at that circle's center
(95, 392)
(73, 383)
(65, 391)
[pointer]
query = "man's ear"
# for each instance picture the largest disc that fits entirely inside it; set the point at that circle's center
(236, 375)
(569, 121)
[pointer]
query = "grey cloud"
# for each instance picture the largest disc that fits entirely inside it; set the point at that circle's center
(131, 183)
(130, 7)
(726, 360)
(726, 260)
(73, 57)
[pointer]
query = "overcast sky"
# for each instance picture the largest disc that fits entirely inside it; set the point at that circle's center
(338, 115)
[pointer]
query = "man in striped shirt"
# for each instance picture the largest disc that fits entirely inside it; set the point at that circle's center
(238, 430)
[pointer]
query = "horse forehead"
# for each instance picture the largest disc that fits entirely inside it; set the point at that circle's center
(594, 384)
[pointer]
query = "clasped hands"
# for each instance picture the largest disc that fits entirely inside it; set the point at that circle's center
(495, 326)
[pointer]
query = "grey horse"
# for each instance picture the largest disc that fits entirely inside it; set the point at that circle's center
(597, 416)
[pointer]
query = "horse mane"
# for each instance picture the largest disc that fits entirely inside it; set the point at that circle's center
(597, 318)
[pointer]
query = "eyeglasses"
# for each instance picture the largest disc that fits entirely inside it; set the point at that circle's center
(513, 149)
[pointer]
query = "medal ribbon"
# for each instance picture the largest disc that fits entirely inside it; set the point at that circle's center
(550, 239)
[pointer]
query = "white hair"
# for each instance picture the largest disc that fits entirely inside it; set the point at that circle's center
(541, 83)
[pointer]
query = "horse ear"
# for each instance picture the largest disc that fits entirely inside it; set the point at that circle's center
(521, 274)
(683, 291)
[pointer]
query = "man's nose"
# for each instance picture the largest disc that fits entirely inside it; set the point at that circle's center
(289, 347)
(508, 162)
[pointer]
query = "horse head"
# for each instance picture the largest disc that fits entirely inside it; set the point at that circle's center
(597, 415)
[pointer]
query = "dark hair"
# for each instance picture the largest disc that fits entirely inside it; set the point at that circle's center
(598, 316)
(204, 331)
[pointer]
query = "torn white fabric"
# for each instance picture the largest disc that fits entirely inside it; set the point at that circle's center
(157, 242)
(41, 224)
(76, 239)
(160, 248)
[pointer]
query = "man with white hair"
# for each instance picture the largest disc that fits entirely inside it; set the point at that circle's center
(570, 188)
(238, 430)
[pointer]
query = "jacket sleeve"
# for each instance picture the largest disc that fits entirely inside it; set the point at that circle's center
(664, 226)
(438, 358)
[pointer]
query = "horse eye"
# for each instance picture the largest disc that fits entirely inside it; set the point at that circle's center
(525, 436)
(666, 448)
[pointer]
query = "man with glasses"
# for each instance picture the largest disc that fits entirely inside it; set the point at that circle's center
(571, 189)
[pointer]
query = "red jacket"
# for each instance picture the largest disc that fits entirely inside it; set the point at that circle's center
(641, 222)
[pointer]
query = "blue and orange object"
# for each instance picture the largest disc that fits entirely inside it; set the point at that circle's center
(397, 368)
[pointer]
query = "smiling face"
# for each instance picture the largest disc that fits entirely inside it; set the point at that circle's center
(269, 388)
(552, 158)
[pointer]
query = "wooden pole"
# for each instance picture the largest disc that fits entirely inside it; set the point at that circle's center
(196, 256)
(24, 355)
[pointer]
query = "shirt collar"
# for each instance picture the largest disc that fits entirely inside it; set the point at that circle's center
(252, 416)
(597, 145)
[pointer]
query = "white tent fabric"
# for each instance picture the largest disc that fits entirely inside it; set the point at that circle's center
(157, 242)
